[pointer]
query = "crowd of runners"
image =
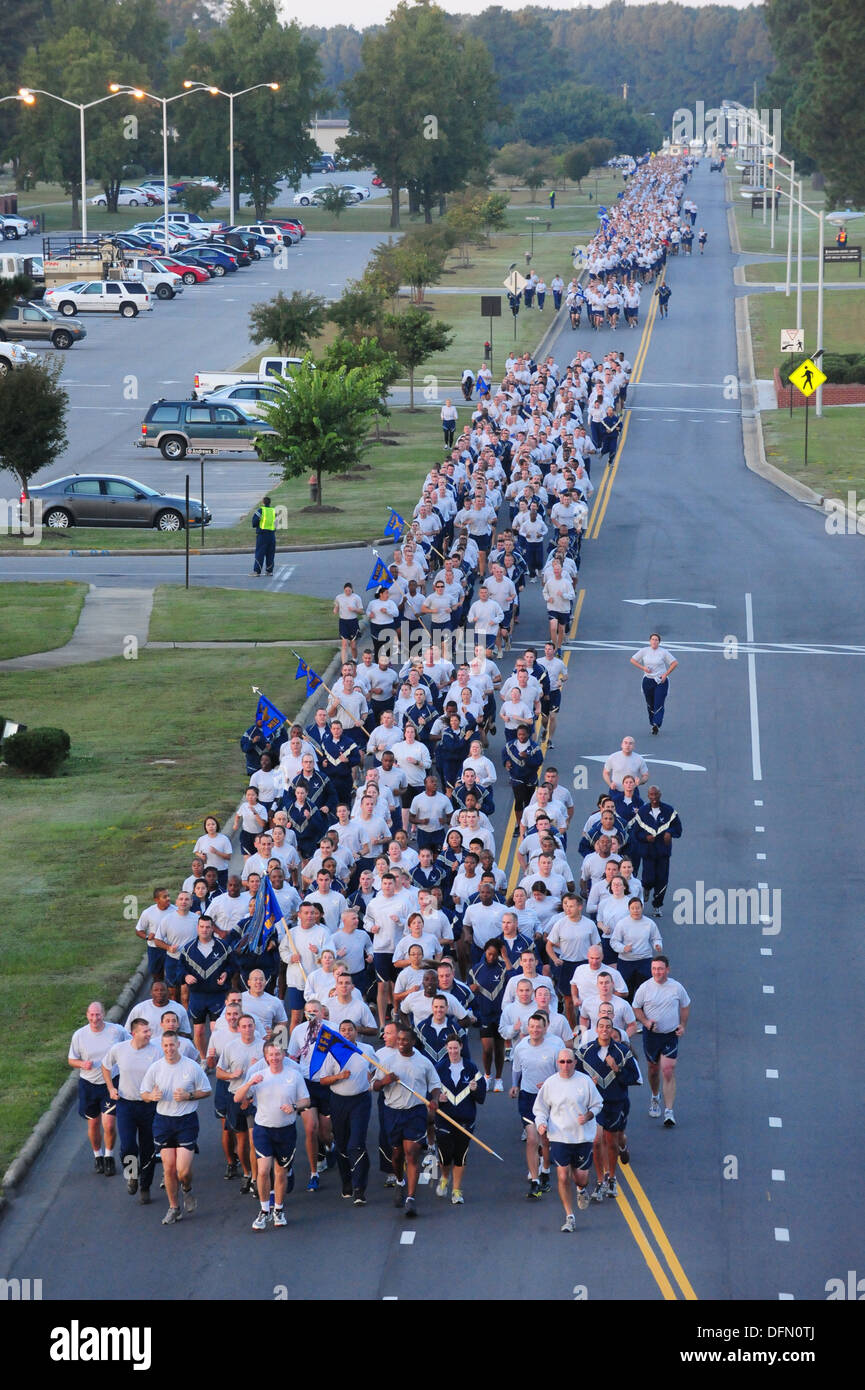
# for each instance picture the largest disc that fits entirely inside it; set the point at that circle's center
(365, 887)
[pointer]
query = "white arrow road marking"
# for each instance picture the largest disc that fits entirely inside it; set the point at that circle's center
(662, 762)
(681, 602)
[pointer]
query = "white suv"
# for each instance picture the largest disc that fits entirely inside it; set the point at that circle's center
(125, 297)
(13, 356)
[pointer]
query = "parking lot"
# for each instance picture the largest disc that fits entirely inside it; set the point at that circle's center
(125, 364)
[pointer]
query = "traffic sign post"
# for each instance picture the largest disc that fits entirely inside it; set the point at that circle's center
(491, 308)
(533, 220)
(792, 340)
(514, 285)
(844, 253)
(807, 378)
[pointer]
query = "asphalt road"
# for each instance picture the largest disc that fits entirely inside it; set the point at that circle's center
(763, 609)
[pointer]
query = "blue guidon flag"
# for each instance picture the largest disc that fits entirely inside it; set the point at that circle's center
(380, 575)
(258, 930)
(330, 1043)
(395, 525)
(312, 680)
(271, 718)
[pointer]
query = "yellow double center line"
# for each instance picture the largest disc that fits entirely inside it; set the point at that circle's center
(605, 488)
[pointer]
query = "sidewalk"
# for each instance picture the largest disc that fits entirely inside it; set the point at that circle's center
(108, 619)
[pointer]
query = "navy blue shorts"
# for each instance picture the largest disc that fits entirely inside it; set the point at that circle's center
(278, 1144)
(94, 1100)
(658, 1045)
(236, 1118)
(175, 1131)
(577, 1156)
(552, 702)
(349, 628)
(405, 1125)
(565, 974)
(319, 1097)
(613, 1116)
(383, 964)
(563, 618)
(220, 1099)
(294, 1000)
(526, 1106)
(174, 972)
(205, 1006)
(156, 962)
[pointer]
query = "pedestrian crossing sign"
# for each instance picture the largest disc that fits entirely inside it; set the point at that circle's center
(807, 377)
(515, 283)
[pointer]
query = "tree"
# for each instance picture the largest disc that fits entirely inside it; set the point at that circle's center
(358, 309)
(419, 262)
(599, 149)
(417, 337)
(577, 163)
(291, 322)
(335, 198)
(536, 171)
(15, 287)
(419, 104)
(322, 420)
(271, 136)
(383, 274)
(33, 408)
(120, 132)
(198, 199)
(344, 354)
(830, 121)
(528, 163)
(465, 220)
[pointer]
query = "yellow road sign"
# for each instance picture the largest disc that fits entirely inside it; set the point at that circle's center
(807, 377)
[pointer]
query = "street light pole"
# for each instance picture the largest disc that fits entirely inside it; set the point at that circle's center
(190, 86)
(29, 94)
(819, 403)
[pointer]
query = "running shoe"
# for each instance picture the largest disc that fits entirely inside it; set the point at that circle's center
(570, 1224)
(583, 1198)
(545, 1182)
(655, 1108)
(247, 1185)
(262, 1221)
(410, 1208)
(313, 1184)
(190, 1201)
(172, 1216)
(669, 1120)
(442, 1187)
(110, 1168)
(132, 1186)
(359, 1197)
(534, 1192)
(612, 1188)
(498, 1085)
(279, 1217)
(457, 1198)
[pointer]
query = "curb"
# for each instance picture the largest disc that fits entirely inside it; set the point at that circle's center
(37, 554)
(52, 1117)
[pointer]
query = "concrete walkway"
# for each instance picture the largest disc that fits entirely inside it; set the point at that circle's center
(109, 618)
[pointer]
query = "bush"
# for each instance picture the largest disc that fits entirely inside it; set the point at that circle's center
(841, 368)
(38, 751)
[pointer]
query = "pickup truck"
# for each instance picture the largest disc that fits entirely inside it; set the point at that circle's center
(195, 223)
(13, 356)
(165, 284)
(206, 383)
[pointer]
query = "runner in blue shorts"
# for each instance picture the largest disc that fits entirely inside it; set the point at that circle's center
(565, 1111)
(404, 1115)
(278, 1092)
(176, 1084)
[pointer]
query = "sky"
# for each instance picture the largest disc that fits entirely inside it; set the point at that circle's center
(376, 11)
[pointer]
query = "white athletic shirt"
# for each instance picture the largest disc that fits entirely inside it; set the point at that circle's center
(661, 1003)
(168, 1077)
(658, 660)
(87, 1046)
(561, 1100)
(286, 1087)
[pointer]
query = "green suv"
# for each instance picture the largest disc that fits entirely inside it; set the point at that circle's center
(178, 428)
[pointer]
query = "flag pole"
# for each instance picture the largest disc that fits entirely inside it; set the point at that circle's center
(467, 1132)
(331, 694)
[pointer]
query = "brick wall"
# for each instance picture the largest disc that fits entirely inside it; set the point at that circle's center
(832, 395)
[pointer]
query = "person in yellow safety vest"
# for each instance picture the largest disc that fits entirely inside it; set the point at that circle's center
(264, 525)
(841, 238)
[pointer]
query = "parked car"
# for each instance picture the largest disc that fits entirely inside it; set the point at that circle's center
(249, 395)
(14, 226)
(359, 190)
(309, 196)
(241, 253)
(176, 427)
(256, 245)
(271, 231)
(220, 261)
(14, 356)
(190, 274)
(34, 323)
(208, 383)
(294, 224)
(322, 165)
(165, 284)
(124, 297)
(126, 198)
(197, 225)
(90, 499)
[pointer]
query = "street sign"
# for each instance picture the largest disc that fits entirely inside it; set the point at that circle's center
(792, 340)
(807, 377)
(491, 306)
(515, 282)
(852, 254)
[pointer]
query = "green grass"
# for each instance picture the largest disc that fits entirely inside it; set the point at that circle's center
(75, 850)
(38, 617)
(238, 615)
(843, 327)
(836, 462)
(755, 237)
(775, 272)
(463, 314)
